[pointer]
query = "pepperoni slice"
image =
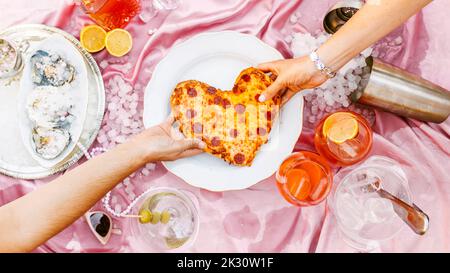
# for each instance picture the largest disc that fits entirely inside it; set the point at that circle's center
(211, 90)
(192, 92)
(239, 158)
(197, 128)
(215, 141)
(191, 113)
(226, 103)
(217, 100)
(269, 115)
(261, 131)
(233, 133)
(240, 108)
(246, 78)
(257, 97)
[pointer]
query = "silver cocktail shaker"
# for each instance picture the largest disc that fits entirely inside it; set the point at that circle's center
(405, 94)
(390, 88)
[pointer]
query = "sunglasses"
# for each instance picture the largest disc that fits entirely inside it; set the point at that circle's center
(100, 224)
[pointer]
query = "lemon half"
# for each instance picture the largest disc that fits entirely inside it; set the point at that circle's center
(92, 38)
(118, 42)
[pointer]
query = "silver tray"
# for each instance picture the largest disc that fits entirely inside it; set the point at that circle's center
(33, 33)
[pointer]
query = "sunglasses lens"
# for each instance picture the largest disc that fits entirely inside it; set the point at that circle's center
(101, 223)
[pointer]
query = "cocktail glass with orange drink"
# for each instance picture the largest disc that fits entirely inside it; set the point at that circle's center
(304, 179)
(343, 138)
(111, 14)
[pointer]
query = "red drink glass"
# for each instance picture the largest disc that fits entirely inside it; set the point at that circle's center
(111, 14)
(343, 138)
(304, 179)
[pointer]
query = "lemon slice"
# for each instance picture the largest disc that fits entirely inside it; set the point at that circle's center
(340, 127)
(92, 38)
(118, 42)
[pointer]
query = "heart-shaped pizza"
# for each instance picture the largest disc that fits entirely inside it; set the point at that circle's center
(233, 124)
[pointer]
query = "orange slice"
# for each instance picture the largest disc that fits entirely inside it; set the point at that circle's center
(298, 183)
(340, 127)
(92, 38)
(119, 42)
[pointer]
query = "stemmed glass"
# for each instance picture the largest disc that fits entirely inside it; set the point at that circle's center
(167, 220)
(11, 58)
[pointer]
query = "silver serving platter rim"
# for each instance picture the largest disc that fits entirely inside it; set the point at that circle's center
(92, 123)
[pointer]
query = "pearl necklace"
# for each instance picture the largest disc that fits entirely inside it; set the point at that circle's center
(107, 198)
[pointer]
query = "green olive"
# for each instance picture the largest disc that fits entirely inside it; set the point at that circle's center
(165, 217)
(156, 217)
(146, 216)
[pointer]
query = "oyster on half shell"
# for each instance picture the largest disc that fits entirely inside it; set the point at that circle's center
(50, 69)
(50, 142)
(50, 107)
(53, 100)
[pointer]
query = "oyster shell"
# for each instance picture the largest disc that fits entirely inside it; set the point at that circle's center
(50, 107)
(49, 143)
(52, 100)
(50, 69)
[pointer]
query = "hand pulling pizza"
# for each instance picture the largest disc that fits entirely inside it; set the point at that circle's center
(233, 124)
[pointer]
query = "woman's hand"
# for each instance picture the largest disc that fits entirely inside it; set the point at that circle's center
(164, 143)
(293, 75)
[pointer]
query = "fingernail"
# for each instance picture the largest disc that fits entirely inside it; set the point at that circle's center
(262, 98)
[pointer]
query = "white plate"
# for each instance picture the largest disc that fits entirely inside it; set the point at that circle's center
(217, 58)
(15, 160)
(78, 90)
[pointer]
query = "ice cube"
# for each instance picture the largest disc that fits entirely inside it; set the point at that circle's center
(145, 172)
(398, 40)
(317, 192)
(308, 97)
(360, 181)
(378, 210)
(350, 211)
(147, 13)
(293, 19)
(319, 92)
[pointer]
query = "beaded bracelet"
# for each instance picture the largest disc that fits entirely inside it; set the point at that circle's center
(321, 66)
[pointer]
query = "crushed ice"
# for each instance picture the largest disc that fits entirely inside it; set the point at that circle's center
(333, 94)
(123, 118)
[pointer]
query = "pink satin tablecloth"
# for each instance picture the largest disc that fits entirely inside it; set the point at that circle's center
(258, 219)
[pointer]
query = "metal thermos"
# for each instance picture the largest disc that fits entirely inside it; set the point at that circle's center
(390, 88)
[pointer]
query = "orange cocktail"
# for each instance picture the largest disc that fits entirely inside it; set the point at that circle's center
(304, 179)
(343, 138)
(112, 14)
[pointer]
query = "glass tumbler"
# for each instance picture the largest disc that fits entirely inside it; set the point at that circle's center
(365, 220)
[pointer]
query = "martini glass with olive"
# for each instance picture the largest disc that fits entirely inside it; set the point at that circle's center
(165, 219)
